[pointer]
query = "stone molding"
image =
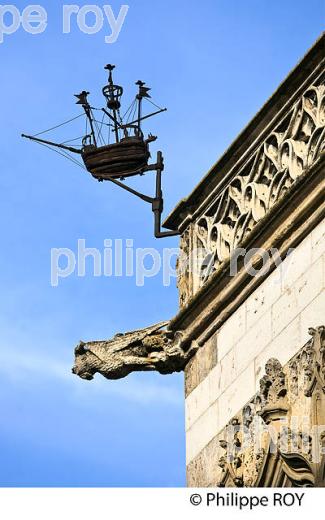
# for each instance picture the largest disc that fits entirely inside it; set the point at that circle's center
(250, 138)
(270, 196)
(289, 151)
(288, 222)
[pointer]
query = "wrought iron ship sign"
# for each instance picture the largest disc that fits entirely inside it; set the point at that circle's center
(121, 152)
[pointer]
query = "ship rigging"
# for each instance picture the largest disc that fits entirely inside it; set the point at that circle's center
(113, 147)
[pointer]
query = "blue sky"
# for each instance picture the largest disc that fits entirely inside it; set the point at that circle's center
(213, 64)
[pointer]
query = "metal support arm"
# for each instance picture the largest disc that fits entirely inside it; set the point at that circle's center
(157, 202)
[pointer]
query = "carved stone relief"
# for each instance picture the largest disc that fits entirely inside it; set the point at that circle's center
(289, 151)
(278, 439)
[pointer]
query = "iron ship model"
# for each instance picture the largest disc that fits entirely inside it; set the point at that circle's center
(124, 152)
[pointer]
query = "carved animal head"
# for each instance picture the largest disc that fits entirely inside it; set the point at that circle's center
(125, 353)
(86, 363)
(146, 349)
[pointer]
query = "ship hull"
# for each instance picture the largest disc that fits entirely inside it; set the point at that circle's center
(128, 157)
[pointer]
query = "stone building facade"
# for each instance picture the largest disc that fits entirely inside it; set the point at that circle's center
(249, 334)
(266, 192)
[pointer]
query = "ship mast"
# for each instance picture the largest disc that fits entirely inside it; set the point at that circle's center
(143, 92)
(113, 94)
(82, 100)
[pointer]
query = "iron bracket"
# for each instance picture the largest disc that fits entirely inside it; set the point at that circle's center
(157, 202)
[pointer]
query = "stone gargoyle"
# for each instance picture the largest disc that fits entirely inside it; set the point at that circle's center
(152, 348)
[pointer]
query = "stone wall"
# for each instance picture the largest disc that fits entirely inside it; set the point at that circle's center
(266, 193)
(272, 322)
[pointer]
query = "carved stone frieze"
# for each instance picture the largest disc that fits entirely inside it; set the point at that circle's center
(184, 269)
(278, 438)
(289, 151)
(314, 357)
(273, 391)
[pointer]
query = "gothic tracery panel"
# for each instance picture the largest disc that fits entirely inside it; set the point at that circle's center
(289, 151)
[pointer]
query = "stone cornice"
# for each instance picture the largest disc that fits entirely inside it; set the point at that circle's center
(289, 220)
(226, 168)
(268, 195)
